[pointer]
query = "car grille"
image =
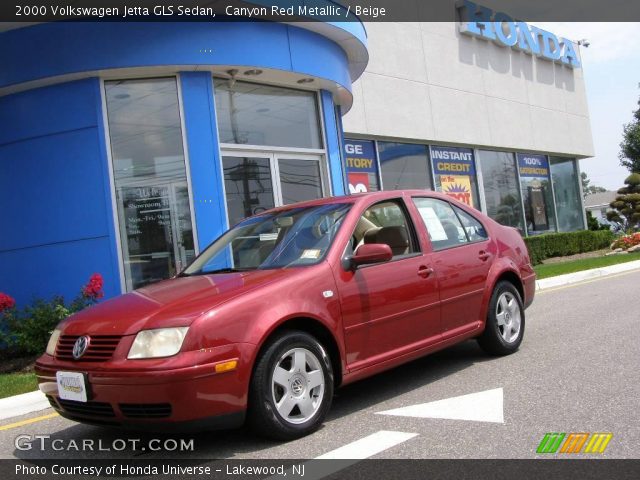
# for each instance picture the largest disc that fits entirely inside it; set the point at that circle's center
(101, 348)
(145, 410)
(86, 409)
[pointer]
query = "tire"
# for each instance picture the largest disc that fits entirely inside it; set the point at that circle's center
(291, 388)
(502, 334)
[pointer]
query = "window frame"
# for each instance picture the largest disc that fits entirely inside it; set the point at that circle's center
(274, 158)
(121, 255)
(413, 235)
(469, 241)
(452, 206)
(273, 148)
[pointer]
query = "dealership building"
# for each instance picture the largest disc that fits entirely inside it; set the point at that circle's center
(127, 148)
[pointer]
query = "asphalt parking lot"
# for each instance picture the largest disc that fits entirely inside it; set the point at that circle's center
(577, 371)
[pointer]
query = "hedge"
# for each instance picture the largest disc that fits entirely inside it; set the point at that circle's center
(563, 244)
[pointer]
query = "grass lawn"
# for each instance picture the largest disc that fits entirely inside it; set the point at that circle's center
(560, 268)
(17, 383)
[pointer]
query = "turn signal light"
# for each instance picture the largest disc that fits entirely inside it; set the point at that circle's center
(226, 366)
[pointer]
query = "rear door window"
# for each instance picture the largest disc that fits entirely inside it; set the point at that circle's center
(443, 225)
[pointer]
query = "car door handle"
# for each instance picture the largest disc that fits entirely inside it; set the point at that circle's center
(484, 256)
(425, 272)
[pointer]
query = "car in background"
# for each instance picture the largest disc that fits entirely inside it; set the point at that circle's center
(288, 305)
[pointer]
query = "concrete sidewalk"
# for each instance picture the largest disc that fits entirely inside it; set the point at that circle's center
(577, 277)
(23, 404)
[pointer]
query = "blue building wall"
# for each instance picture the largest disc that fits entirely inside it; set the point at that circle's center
(95, 46)
(55, 191)
(57, 227)
(199, 110)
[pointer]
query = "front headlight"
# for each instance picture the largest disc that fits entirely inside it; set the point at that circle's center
(53, 341)
(161, 342)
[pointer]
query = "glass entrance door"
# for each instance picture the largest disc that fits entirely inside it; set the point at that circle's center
(255, 182)
(248, 185)
(158, 234)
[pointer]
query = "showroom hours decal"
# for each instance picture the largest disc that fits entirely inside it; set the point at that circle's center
(150, 205)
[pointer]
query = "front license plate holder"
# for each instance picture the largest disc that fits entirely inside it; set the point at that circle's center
(72, 386)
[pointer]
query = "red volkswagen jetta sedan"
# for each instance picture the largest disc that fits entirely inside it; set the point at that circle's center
(288, 305)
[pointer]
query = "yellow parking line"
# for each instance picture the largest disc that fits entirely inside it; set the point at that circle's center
(585, 282)
(28, 421)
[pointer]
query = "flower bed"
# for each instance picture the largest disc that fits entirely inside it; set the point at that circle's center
(25, 332)
(627, 242)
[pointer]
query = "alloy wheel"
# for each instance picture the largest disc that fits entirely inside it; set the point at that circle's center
(297, 385)
(508, 317)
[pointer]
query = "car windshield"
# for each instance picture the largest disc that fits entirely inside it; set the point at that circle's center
(293, 237)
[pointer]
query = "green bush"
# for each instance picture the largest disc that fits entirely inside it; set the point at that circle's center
(27, 331)
(550, 245)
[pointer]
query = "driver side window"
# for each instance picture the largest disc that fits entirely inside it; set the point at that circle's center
(385, 222)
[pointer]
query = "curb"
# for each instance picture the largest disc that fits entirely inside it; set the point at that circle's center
(577, 277)
(23, 404)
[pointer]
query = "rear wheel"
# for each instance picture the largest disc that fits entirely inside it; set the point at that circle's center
(504, 329)
(291, 388)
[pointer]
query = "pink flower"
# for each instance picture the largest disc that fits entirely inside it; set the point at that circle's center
(93, 289)
(6, 302)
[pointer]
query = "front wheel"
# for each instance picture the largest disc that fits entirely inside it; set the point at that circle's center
(291, 388)
(504, 329)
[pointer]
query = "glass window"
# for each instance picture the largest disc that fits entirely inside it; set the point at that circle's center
(536, 193)
(500, 179)
(455, 173)
(404, 166)
(248, 186)
(472, 226)
(442, 223)
(387, 223)
(150, 179)
(253, 114)
(567, 192)
(286, 238)
(361, 165)
(300, 180)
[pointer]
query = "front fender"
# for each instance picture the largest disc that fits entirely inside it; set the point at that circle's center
(308, 292)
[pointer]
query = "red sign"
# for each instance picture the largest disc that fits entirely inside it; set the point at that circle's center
(358, 182)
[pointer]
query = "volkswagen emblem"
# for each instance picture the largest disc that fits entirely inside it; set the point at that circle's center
(81, 345)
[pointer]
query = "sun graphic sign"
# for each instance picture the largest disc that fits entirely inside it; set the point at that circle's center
(458, 187)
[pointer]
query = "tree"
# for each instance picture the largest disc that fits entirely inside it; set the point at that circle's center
(630, 146)
(587, 188)
(626, 206)
(594, 224)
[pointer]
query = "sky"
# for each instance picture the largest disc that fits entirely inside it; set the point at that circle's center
(611, 66)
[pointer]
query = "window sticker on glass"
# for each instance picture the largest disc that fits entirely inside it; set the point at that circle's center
(268, 237)
(434, 226)
(312, 254)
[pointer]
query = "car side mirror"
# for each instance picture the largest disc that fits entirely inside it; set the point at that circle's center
(371, 253)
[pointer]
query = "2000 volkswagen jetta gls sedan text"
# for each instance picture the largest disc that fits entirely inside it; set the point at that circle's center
(288, 305)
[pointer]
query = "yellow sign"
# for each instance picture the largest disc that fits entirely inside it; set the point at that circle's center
(458, 187)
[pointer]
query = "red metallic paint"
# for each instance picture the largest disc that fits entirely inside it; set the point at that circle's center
(378, 317)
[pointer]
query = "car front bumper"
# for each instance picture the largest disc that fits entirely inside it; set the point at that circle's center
(184, 398)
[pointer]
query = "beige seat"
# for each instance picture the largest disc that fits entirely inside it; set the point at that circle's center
(396, 237)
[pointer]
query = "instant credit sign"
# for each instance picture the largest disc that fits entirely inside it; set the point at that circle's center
(533, 165)
(455, 167)
(452, 161)
(360, 159)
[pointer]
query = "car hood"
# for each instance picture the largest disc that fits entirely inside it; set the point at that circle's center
(170, 303)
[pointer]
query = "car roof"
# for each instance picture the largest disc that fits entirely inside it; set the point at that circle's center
(360, 198)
